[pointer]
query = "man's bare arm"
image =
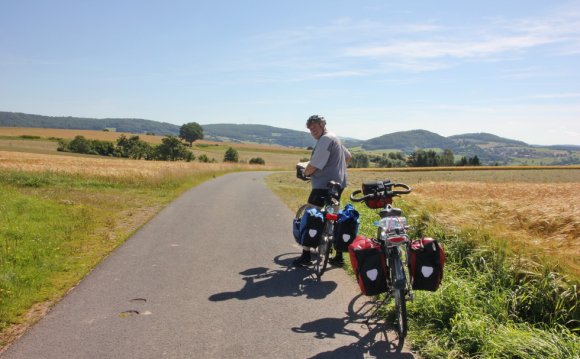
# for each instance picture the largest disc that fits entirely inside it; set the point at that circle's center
(309, 171)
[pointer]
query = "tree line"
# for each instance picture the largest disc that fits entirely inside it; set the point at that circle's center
(419, 158)
(172, 148)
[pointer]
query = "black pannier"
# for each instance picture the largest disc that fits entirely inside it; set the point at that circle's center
(426, 263)
(369, 265)
(346, 228)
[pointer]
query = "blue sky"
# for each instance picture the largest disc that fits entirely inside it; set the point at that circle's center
(511, 68)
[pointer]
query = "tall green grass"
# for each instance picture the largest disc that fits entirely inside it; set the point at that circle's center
(492, 303)
(37, 239)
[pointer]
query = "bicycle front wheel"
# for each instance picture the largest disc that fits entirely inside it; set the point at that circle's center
(323, 250)
(399, 287)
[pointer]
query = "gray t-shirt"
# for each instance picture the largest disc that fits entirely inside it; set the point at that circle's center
(329, 156)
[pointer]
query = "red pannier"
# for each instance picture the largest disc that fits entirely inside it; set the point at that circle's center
(374, 188)
(426, 262)
(369, 265)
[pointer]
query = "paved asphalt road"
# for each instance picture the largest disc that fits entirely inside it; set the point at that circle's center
(210, 277)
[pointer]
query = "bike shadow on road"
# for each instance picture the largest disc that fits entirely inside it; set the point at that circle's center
(285, 281)
(376, 339)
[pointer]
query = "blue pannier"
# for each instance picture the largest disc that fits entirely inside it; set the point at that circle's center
(346, 228)
(308, 229)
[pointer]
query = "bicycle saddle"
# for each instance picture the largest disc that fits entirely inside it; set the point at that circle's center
(389, 211)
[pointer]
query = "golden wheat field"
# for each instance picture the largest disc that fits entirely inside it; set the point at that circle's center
(118, 169)
(536, 210)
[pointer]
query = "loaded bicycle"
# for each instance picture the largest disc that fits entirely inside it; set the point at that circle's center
(391, 273)
(322, 246)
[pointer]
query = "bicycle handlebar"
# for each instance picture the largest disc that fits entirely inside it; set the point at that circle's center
(380, 194)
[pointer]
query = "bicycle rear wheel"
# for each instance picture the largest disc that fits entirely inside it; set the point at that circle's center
(399, 281)
(323, 250)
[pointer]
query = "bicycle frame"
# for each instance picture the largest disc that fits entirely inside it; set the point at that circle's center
(330, 214)
(394, 241)
(395, 244)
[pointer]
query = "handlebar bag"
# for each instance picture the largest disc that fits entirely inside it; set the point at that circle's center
(374, 188)
(369, 265)
(426, 262)
(346, 228)
(311, 228)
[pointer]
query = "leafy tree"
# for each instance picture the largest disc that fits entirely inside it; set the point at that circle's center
(172, 149)
(191, 132)
(103, 148)
(80, 145)
(359, 160)
(446, 158)
(133, 147)
(257, 161)
(422, 158)
(462, 161)
(231, 155)
(396, 156)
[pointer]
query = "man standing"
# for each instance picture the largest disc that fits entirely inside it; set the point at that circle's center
(327, 163)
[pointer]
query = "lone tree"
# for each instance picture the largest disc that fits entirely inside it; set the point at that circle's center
(191, 132)
(172, 149)
(231, 155)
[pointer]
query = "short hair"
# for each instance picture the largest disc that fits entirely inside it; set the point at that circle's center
(315, 119)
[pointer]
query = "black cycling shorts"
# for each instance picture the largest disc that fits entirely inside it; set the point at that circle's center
(318, 195)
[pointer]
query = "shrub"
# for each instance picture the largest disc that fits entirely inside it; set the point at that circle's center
(359, 160)
(231, 155)
(257, 161)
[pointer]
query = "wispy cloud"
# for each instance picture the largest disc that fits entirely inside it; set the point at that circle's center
(452, 48)
(556, 96)
(497, 38)
(417, 47)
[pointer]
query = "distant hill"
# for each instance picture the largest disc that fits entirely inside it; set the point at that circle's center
(489, 148)
(482, 138)
(561, 147)
(133, 125)
(409, 141)
(258, 134)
